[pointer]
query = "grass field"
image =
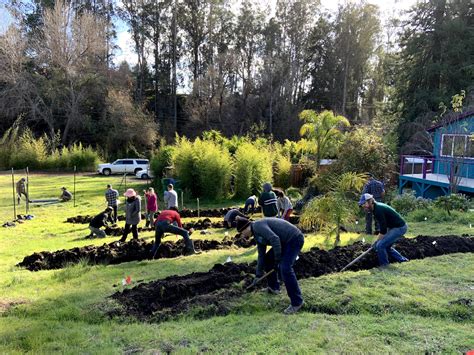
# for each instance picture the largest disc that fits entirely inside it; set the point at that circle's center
(411, 308)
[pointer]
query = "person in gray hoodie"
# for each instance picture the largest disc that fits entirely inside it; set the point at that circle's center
(286, 241)
(133, 209)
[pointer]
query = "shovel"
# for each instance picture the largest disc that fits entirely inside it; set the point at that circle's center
(357, 259)
(259, 279)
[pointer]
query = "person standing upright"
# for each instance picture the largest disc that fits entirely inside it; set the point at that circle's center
(376, 189)
(112, 195)
(170, 197)
(151, 206)
(133, 209)
(21, 189)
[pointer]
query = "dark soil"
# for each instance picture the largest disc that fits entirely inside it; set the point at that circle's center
(116, 253)
(215, 289)
(186, 213)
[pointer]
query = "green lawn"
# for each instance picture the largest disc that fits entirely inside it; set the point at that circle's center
(411, 308)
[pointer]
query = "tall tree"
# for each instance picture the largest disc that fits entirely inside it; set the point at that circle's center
(437, 47)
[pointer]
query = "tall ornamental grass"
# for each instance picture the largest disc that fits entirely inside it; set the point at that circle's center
(253, 167)
(204, 167)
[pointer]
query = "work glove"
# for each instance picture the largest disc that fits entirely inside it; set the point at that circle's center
(254, 282)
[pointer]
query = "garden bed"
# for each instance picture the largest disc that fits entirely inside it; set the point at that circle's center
(213, 291)
(117, 253)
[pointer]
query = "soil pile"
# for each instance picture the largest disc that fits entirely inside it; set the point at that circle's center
(116, 252)
(176, 294)
(186, 213)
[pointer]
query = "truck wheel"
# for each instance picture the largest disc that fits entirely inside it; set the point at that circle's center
(145, 177)
(106, 172)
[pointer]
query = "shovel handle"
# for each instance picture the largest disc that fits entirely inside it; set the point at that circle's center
(260, 279)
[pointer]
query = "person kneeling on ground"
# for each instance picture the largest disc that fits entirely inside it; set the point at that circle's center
(392, 227)
(229, 218)
(65, 195)
(286, 241)
(250, 204)
(164, 224)
(285, 208)
(100, 221)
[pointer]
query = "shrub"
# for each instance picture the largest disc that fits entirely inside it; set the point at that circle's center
(363, 151)
(408, 202)
(294, 194)
(185, 163)
(253, 167)
(214, 169)
(29, 151)
(84, 159)
(204, 167)
(458, 202)
(282, 171)
(438, 215)
(162, 158)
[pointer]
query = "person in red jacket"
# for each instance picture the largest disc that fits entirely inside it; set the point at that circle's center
(165, 223)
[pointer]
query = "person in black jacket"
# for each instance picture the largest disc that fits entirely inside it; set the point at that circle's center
(100, 221)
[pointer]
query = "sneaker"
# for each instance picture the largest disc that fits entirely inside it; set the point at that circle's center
(293, 309)
(272, 291)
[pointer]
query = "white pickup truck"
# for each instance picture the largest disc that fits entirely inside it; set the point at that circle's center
(123, 166)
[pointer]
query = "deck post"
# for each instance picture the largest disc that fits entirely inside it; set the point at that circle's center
(401, 165)
(424, 169)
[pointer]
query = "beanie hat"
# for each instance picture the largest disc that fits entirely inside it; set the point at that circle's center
(267, 187)
(241, 223)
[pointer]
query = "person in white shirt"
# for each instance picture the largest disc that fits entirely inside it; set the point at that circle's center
(285, 208)
(171, 197)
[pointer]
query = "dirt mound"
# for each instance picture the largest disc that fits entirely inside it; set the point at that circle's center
(116, 252)
(185, 213)
(161, 299)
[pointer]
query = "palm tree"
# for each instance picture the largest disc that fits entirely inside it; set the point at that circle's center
(323, 129)
(330, 211)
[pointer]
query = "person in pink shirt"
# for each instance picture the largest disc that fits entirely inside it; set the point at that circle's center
(151, 206)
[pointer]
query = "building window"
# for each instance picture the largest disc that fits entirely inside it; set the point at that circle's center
(457, 145)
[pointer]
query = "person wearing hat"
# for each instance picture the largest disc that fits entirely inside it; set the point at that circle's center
(100, 221)
(21, 189)
(151, 206)
(133, 214)
(392, 228)
(170, 197)
(268, 201)
(65, 195)
(111, 196)
(376, 189)
(165, 223)
(229, 218)
(286, 241)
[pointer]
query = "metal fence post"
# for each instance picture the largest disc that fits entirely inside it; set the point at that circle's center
(14, 199)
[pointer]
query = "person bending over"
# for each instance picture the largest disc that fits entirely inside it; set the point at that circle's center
(286, 241)
(392, 228)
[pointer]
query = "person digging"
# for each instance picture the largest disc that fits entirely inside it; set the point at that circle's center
(99, 221)
(392, 228)
(229, 218)
(286, 241)
(165, 224)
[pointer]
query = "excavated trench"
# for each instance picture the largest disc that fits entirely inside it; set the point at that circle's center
(116, 252)
(214, 290)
